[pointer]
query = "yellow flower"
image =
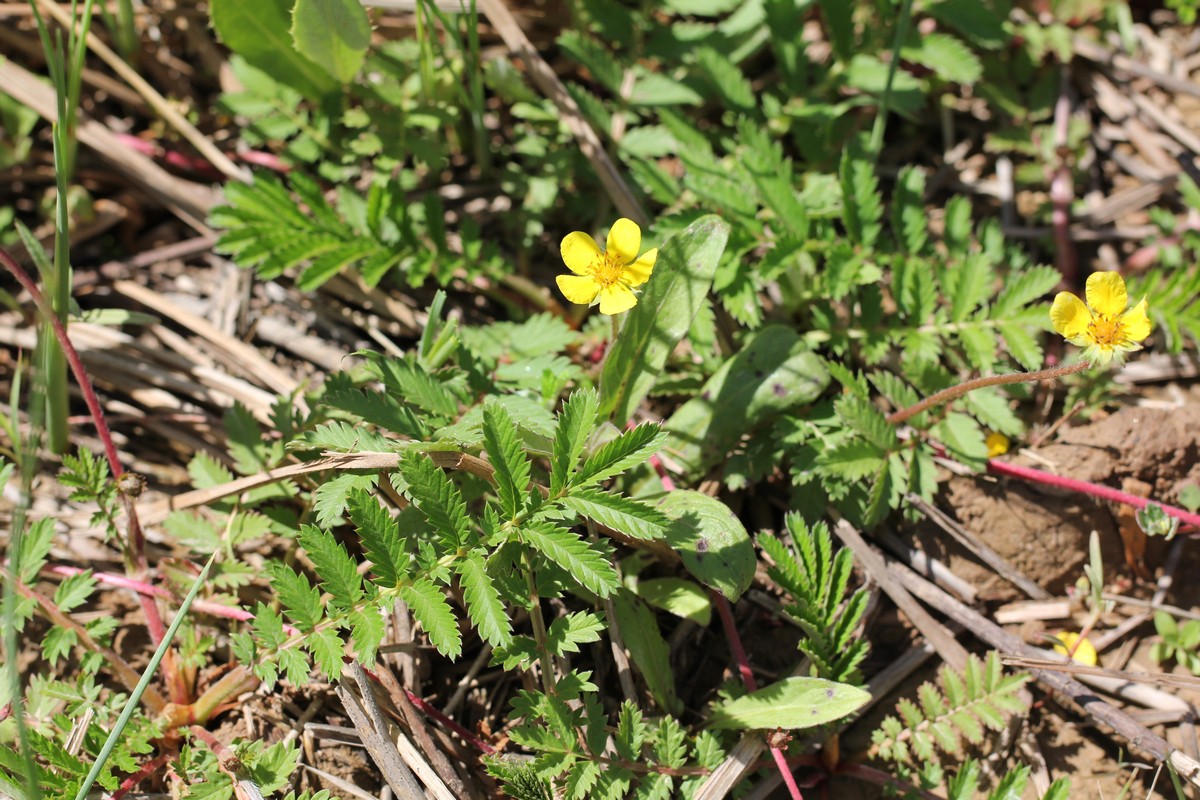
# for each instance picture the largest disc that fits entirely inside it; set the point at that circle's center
(997, 444)
(1085, 651)
(609, 275)
(1103, 327)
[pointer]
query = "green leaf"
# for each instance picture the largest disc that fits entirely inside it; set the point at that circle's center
(509, 461)
(298, 596)
(413, 385)
(791, 703)
(366, 632)
(380, 536)
(711, 541)
(583, 562)
(575, 424)
(648, 649)
(428, 604)
(861, 203)
(977, 21)
(332, 33)
(772, 373)
(482, 599)
(327, 649)
(662, 317)
(432, 491)
(258, 32)
(566, 633)
(622, 514)
(74, 591)
(656, 89)
(839, 19)
(682, 598)
(629, 449)
(852, 461)
(947, 56)
(963, 438)
(727, 79)
(35, 546)
(336, 569)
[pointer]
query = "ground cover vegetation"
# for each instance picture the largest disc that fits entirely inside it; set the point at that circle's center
(598, 399)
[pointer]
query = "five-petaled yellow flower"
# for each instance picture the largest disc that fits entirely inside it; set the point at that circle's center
(609, 275)
(1103, 327)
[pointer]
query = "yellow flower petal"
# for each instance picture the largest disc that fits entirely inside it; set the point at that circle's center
(616, 299)
(1135, 323)
(1106, 294)
(578, 252)
(1070, 316)
(1085, 652)
(997, 444)
(639, 271)
(578, 289)
(625, 239)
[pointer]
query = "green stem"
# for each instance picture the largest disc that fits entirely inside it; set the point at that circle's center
(948, 394)
(549, 684)
(897, 43)
(135, 697)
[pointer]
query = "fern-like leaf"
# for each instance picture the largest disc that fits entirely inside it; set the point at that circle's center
(509, 461)
(482, 599)
(428, 605)
(583, 562)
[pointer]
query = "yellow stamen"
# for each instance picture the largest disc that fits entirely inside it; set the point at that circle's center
(1105, 331)
(606, 270)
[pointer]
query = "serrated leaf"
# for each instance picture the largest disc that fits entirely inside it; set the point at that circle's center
(74, 590)
(428, 605)
(380, 535)
(336, 569)
(852, 461)
(366, 632)
(35, 546)
(298, 596)
(631, 448)
(622, 514)
(947, 56)
(327, 650)
(432, 491)
(575, 424)
(727, 79)
(482, 599)
(791, 703)
(509, 461)
(592, 569)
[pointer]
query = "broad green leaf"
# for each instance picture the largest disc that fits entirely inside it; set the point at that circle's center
(428, 604)
(482, 599)
(711, 541)
(682, 598)
(671, 298)
(771, 374)
(647, 648)
(258, 32)
(791, 703)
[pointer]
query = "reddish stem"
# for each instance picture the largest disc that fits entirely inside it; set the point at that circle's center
(148, 769)
(436, 714)
(743, 664)
(137, 542)
(1094, 489)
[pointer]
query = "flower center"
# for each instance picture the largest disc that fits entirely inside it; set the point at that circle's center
(1106, 331)
(606, 270)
